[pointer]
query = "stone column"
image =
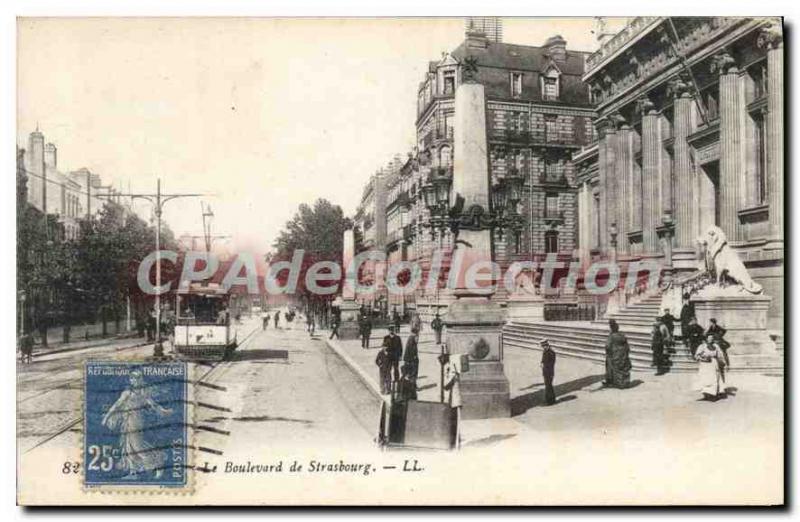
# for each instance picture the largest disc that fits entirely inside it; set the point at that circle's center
(651, 146)
(624, 171)
(771, 38)
(607, 171)
(682, 166)
(731, 175)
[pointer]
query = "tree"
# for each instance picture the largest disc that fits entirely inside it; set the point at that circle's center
(319, 231)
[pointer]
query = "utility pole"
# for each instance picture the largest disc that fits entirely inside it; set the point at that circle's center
(159, 200)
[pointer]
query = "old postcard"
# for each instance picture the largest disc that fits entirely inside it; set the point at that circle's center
(400, 261)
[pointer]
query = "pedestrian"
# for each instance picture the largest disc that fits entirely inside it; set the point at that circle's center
(395, 345)
(437, 326)
(719, 338)
(277, 318)
(452, 385)
(334, 327)
(669, 322)
(687, 314)
(548, 365)
(396, 320)
(711, 368)
(310, 325)
(411, 356)
(618, 362)
(365, 329)
(407, 385)
(657, 346)
(693, 335)
(384, 363)
(416, 323)
(264, 321)
(26, 347)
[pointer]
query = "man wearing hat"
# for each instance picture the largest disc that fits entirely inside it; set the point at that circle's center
(394, 346)
(548, 365)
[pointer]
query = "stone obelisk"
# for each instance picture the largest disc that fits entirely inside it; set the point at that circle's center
(348, 307)
(474, 320)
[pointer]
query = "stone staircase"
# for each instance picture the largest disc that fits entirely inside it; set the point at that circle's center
(641, 315)
(587, 340)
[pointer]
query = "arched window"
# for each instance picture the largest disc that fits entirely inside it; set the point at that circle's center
(445, 159)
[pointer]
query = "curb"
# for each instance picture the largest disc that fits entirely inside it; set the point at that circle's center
(104, 342)
(366, 379)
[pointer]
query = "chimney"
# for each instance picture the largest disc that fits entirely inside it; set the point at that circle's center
(36, 152)
(50, 156)
(556, 48)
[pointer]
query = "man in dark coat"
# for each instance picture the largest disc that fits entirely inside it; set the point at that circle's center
(411, 356)
(365, 329)
(396, 320)
(395, 349)
(548, 365)
(334, 327)
(687, 314)
(384, 369)
(437, 326)
(407, 385)
(693, 335)
(669, 321)
(277, 318)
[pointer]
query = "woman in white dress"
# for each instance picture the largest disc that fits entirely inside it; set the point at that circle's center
(127, 416)
(710, 369)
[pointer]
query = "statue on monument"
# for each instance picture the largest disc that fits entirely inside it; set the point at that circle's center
(720, 259)
(526, 283)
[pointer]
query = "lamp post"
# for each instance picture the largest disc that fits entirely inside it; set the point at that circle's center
(666, 232)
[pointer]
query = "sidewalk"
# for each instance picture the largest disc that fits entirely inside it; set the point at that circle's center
(474, 433)
(583, 404)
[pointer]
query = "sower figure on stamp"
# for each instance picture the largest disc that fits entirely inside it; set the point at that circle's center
(127, 416)
(548, 365)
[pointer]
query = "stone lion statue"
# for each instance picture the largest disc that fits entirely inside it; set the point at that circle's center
(724, 262)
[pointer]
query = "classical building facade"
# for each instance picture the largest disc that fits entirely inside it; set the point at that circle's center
(690, 135)
(70, 196)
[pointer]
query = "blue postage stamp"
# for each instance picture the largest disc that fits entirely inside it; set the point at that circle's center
(135, 424)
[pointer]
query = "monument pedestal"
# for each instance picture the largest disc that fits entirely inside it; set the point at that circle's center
(525, 308)
(473, 328)
(743, 315)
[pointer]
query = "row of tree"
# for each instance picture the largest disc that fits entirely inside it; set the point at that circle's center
(64, 282)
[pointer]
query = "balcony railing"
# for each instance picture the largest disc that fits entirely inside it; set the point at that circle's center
(616, 42)
(537, 136)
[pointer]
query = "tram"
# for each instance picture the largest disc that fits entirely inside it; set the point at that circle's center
(203, 329)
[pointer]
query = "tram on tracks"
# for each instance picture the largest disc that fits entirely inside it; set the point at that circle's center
(203, 326)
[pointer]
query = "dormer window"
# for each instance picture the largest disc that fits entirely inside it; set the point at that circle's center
(550, 87)
(516, 84)
(449, 85)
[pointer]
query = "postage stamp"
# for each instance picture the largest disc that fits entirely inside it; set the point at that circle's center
(135, 424)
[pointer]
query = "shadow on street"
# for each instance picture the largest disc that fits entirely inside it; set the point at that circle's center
(523, 403)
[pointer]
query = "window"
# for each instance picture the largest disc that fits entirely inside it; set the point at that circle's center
(551, 242)
(516, 84)
(449, 82)
(761, 159)
(551, 206)
(550, 85)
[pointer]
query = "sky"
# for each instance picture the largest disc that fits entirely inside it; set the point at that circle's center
(261, 114)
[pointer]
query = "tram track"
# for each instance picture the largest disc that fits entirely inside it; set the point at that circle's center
(206, 379)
